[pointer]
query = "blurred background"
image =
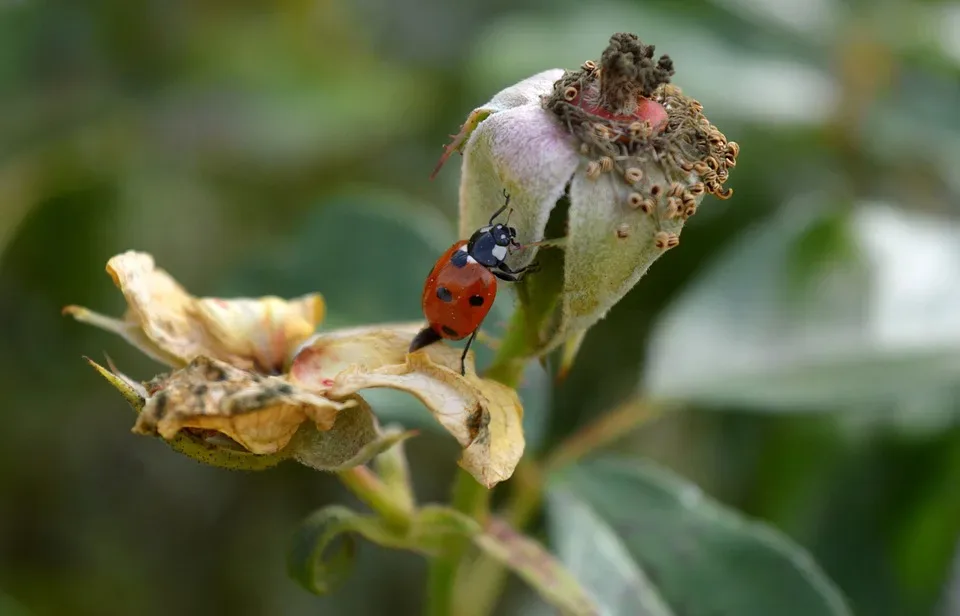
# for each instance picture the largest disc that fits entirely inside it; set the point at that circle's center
(810, 325)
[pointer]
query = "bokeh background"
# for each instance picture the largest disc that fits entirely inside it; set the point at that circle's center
(810, 325)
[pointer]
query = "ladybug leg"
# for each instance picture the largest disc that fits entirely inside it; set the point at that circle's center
(506, 276)
(463, 357)
(512, 275)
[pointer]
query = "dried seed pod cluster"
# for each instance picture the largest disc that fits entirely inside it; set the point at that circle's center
(633, 124)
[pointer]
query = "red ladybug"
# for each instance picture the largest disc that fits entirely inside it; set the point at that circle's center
(462, 285)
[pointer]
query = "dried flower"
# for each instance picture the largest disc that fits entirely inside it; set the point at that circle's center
(632, 154)
(252, 385)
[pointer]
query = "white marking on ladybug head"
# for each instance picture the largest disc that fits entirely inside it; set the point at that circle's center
(500, 252)
(462, 248)
(471, 259)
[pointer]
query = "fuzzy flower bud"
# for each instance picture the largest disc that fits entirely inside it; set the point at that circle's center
(630, 152)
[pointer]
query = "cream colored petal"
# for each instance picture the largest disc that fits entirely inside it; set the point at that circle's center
(170, 325)
(328, 354)
(158, 304)
(526, 152)
(259, 334)
(483, 415)
(259, 413)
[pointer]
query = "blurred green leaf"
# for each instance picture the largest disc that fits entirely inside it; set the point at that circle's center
(818, 309)
(702, 557)
(324, 548)
(537, 567)
(599, 560)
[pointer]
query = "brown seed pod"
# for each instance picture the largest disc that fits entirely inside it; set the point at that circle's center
(696, 189)
(656, 190)
(593, 170)
(635, 200)
(570, 93)
(689, 211)
(589, 66)
(664, 240)
(606, 164)
(633, 175)
(623, 231)
(673, 207)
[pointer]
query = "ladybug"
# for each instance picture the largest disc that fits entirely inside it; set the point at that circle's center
(462, 285)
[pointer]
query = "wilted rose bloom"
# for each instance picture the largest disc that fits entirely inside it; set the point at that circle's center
(253, 385)
(627, 150)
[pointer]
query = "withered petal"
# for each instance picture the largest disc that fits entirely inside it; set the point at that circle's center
(483, 415)
(327, 354)
(170, 325)
(260, 413)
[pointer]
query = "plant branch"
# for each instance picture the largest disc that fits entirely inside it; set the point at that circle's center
(470, 497)
(366, 486)
(488, 577)
(608, 428)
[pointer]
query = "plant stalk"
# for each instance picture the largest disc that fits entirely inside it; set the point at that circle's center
(469, 496)
(366, 486)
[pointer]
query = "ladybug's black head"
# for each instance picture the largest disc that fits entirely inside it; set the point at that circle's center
(488, 245)
(502, 234)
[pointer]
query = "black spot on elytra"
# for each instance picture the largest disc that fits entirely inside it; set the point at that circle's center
(199, 390)
(459, 258)
(160, 405)
(444, 294)
(284, 389)
(476, 300)
(449, 331)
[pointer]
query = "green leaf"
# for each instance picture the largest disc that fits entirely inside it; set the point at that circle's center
(599, 560)
(700, 557)
(324, 547)
(536, 566)
(817, 310)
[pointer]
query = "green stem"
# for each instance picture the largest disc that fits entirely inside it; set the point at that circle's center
(470, 497)
(366, 486)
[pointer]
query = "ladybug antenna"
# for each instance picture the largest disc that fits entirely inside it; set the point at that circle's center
(506, 203)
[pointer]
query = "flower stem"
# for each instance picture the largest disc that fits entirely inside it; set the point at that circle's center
(470, 497)
(366, 486)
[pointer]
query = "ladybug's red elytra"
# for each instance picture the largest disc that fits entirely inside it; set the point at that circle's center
(462, 285)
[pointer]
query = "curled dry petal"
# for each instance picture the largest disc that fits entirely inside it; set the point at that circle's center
(170, 325)
(483, 415)
(327, 354)
(260, 413)
(354, 437)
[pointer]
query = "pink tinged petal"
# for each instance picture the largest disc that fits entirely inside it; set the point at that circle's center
(526, 152)
(527, 92)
